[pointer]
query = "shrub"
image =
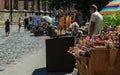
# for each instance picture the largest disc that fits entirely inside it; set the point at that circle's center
(111, 20)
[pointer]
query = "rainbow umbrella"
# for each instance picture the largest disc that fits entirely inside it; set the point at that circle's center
(111, 8)
(49, 19)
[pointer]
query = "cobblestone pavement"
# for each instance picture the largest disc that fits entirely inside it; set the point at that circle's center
(17, 45)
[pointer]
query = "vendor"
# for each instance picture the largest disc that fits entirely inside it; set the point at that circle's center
(95, 21)
(75, 32)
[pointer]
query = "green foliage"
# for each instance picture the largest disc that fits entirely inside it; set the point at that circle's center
(100, 3)
(79, 3)
(83, 5)
(111, 20)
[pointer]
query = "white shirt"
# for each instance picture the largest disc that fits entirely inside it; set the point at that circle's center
(97, 18)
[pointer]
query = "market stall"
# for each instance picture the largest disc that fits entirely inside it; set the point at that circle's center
(102, 61)
(99, 55)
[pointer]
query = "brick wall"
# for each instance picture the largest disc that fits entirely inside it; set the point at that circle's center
(21, 5)
(29, 5)
(1, 4)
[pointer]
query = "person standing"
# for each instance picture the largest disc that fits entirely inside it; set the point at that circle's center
(61, 18)
(30, 23)
(35, 19)
(68, 18)
(7, 27)
(86, 19)
(26, 22)
(19, 24)
(95, 21)
(80, 18)
(75, 16)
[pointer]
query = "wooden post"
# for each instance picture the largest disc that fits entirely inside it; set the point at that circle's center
(11, 10)
(15, 4)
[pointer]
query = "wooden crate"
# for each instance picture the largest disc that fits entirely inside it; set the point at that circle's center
(101, 62)
(105, 62)
(82, 65)
(118, 29)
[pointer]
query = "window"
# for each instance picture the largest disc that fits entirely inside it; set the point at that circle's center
(26, 4)
(43, 5)
(38, 4)
(15, 4)
(6, 4)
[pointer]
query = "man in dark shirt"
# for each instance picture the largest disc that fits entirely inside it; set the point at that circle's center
(26, 22)
(7, 27)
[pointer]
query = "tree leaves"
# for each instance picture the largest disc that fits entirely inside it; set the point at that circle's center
(111, 20)
(79, 3)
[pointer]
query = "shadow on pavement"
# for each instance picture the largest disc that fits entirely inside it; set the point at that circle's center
(42, 71)
(37, 36)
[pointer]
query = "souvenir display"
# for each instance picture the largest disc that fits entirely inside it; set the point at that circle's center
(109, 40)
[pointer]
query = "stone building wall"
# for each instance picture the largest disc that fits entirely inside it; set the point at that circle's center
(5, 14)
(2, 18)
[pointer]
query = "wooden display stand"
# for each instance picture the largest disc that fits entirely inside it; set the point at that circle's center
(118, 29)
(82, 65)
(101, 62)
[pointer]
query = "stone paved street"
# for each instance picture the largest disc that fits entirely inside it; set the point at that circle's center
(22, 53)
(17, 45)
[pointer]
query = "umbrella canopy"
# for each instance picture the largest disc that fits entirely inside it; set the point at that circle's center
(111, 8)
(49, 19)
